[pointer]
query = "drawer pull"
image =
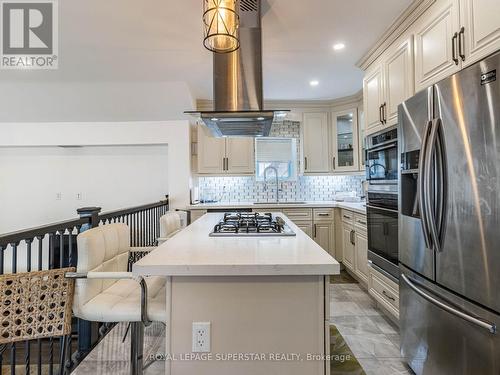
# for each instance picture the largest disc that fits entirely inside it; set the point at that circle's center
(362, 222)
(347, 217)
(323, 214)
(388, 296)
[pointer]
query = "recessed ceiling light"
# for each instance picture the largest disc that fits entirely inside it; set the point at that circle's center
(338, 46)
(314, 83)
(214, 119)
(260, 118)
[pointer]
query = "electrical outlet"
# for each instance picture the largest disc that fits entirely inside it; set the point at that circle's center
(201, 337)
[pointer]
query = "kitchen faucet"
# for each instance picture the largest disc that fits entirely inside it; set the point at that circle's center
(277, 181)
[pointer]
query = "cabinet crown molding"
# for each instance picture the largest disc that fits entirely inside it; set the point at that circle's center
(207, 105)
(398, 27)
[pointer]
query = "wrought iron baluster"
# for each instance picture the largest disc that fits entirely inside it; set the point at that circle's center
(27, 344)
(1, 259)
(39, 341)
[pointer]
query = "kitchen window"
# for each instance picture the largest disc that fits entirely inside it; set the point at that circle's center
(280, 153)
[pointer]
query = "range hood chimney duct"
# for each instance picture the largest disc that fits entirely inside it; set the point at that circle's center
(237, 82)
(237, 78)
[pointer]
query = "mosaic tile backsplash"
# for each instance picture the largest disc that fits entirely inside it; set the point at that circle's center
(306, 188)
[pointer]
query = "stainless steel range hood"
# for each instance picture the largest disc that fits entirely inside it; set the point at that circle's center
(237, 82)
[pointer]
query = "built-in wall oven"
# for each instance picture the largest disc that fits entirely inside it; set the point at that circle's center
(382, 201)
(382, 157)
(382, 226)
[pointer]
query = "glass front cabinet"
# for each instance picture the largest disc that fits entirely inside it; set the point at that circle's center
(345, 142)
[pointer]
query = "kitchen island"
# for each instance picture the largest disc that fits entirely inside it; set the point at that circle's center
(266, 298)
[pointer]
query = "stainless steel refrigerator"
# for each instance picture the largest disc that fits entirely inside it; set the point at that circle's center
(449, 224)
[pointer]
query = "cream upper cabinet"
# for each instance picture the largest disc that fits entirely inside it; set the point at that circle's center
(345, 141)
(481, 28)
(398, 79)
(211, 152)
(436, 43)
(388, 83)
(315, 143)
(224, 155)
(240, 155)
(361, 139)
(373, 98)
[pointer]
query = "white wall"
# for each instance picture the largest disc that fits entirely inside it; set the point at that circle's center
(93, 101)
(14, 137)
(110, 177)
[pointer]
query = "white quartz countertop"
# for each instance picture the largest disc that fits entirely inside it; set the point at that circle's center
(191, 252)
(359, 207)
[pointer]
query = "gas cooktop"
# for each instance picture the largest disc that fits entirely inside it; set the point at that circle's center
(251, 224)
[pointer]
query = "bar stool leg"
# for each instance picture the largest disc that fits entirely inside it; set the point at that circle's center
(137, 347)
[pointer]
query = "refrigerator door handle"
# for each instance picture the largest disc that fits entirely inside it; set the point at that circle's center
(421, 186)
(429, 204)
(492, 328)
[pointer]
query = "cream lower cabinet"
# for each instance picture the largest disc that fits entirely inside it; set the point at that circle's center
(361, 249)
(224, 155)
(355, 244)
(385, 291)
(348, 246)
(306, 227)
(196, 214)
(317, 223)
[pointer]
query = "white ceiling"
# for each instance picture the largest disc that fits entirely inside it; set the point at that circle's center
(161, 40)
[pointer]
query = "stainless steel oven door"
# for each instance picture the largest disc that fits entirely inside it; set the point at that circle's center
(382, 226)
(382, 163)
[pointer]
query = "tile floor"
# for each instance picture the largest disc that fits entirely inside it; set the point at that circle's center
(373, 339)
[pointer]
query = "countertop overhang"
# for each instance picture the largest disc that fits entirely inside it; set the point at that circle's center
(191, 252)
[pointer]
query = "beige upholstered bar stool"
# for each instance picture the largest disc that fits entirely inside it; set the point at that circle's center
(106, 292)
(170, 224)
(36, 305)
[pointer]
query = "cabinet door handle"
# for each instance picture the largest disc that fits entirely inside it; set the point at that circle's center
(352, 237)
(388, 296)
(305, 163)
(314, 230)
(380, 114)
(334, 162)
(461, 43)
(454, 48)
(384, 113)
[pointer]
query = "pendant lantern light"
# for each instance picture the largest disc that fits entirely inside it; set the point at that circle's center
(221, 22)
